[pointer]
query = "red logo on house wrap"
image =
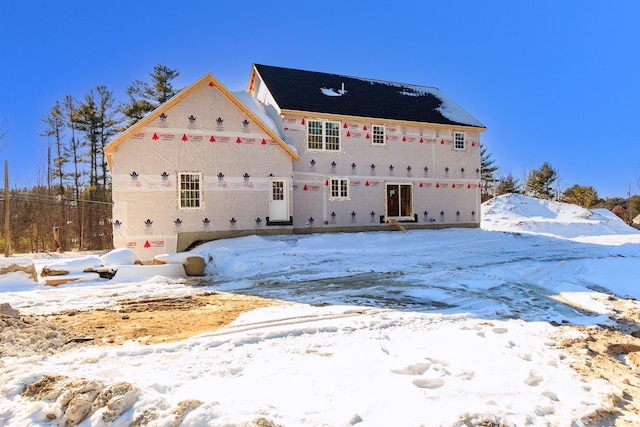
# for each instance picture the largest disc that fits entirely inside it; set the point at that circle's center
(154, 244)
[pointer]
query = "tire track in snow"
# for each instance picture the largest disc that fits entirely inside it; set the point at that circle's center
(286, 321)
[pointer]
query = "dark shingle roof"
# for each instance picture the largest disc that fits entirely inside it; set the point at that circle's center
(318, 92)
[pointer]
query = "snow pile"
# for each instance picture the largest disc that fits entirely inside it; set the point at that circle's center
(118, 265)
(120, 256)
(77, 265)
(332, 92)
(522, 214)
(17, 272)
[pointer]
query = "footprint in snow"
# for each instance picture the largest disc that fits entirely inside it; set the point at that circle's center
(428, 382)
(534, 379)
(415, 369)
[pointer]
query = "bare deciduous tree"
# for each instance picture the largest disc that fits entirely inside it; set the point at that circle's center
(3, 134)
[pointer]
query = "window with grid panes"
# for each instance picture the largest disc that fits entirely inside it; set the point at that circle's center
(458, 140)
(190, 190)
(377, 135)
(339, 188)
(324, 136)
(277, 188)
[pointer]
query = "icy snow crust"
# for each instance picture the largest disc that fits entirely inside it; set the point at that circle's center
(432, 327)
(449, 108)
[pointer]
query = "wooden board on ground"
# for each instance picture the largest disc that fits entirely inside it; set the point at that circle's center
(61, 280)
(397, 224)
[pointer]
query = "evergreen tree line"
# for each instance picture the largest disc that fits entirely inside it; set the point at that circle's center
(70, 209)
(540, 183)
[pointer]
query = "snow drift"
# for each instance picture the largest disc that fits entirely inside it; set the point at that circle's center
(522, 214)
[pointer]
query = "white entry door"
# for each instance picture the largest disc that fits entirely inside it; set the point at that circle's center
(278, 199)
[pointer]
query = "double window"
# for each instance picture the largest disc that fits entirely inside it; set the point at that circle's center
(339, 188)
(190, 196)
(458, 141)
(378, 136)
(323, 136)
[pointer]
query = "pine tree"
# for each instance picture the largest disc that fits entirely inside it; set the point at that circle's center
(506, 185)
(108, 124)
(73, 150)
(145, 97)
(634, 206)
(487, 170)
(585, 196)
(101, 230)
(539, 182)
(97, 123)
(55, 122)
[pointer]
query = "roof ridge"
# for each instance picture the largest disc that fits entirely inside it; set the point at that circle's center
(388, 82)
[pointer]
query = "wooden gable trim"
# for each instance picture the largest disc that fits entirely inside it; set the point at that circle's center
(338, 117)
(251, 86)
(110, 149)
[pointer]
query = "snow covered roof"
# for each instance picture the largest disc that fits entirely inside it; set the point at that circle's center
(313, 91)
(257, 108)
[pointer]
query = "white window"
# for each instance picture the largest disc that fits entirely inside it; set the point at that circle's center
(458, 141)
(323, 135)
(339, 188)
(378, 136)
(190, 196)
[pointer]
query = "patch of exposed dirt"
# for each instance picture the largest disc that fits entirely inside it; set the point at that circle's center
(611, 354)
(157, 320)
(144, 320)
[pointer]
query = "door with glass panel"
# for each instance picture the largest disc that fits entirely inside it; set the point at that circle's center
(399, 201)
(278, 199)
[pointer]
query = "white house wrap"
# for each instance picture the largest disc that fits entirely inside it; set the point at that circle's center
(298, 152)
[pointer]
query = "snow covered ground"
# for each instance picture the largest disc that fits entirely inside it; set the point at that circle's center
(446, 327)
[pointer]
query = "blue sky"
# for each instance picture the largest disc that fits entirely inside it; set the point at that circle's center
(553, 81)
